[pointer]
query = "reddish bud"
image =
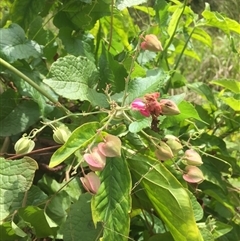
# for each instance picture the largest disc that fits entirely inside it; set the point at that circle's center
(191, 157)
(91, 182)
(169, 107)
(151, 43)
(96, 160)
(163, 152)
(139, 105)
(193, 175)
(111, 147)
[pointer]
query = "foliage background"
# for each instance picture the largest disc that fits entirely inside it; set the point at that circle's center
(56, 59)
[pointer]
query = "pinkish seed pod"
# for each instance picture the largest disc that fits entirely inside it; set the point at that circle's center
(96, 160)
(192, 158)
(151, 43)
(111, 147)
(24, 145)
(169, 107)
(193, 175)
(174, 143)
(163, 152)
(91, 182)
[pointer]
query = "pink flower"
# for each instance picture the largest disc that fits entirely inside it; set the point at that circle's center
(91, 182)
(139, 105)
(151, 43)
(96, 160)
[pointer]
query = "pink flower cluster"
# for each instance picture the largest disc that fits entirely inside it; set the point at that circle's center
(96, 160)
(150, 106)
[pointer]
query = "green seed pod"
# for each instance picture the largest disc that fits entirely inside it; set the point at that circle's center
(24, 145)
(61, 134)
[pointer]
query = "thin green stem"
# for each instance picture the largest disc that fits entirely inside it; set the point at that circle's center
(33, 84)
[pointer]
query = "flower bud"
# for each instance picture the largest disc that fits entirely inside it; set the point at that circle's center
(193, 175)
(169, 107)
(191, 157)
(111, 147)
(61, 134)
(91, 182)
(174, 143)
(163, 152)
(151, 43)
(96, 160)
(139, 105)
(24, 145)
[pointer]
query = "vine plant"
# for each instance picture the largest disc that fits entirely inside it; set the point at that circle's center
(99, 140)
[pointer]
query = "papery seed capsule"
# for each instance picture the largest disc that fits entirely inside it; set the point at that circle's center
(174, 143)
(61, 134)
(191, 157)
(193, 175)
(163, 152)
(91, 182)
(24, 145)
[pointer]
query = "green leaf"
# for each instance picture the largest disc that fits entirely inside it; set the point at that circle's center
(74, 44)
(138, 125)
(35, 196)
(81, 15)
(80, 137)
(111, 72)
(23, 12)
(79, 221)
(73, 78)
(122, 4)
(201, 35)
(178, 80)
(215, 19)
(7, 232)
(14, 45)
(204, 90)
(170, 200)
(221, 229)
(232, 102)
(140, 86)
(112, 204)
(16, 177)
(230, 84)
(35, 216)
(16, 117)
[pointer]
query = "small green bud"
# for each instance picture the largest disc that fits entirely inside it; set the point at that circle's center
(61, 134)
(24, 145)
(163, 152)
(174, 143)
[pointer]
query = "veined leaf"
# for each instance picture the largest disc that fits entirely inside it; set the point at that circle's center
(112, 204)
(16, 177)
(23, 12)
(74, 77)
(170, 200)
(79, 222)
(80, 137)
(121, 4)
(14, 45)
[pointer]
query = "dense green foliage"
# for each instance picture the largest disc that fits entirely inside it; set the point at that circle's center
(71, 73)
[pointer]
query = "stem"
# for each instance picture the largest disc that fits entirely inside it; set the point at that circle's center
(33, 84)
(111, 26)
